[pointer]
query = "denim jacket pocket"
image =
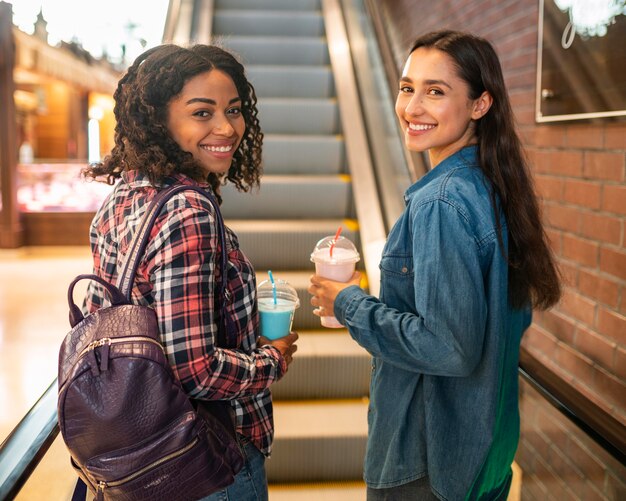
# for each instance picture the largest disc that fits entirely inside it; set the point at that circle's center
(401, 266)
(396, 273)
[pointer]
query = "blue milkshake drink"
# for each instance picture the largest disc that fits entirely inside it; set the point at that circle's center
(277, 303)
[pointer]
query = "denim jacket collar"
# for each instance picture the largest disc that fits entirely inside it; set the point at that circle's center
(466, 156)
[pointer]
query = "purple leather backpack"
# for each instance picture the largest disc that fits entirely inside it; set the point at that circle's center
(131, 431)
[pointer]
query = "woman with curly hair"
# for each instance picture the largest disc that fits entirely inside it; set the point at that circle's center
(460, 273)
(189, 116)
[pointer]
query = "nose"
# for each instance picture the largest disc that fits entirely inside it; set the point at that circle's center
(414, 106)
(223, 127)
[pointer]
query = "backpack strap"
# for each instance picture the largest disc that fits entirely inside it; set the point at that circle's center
(140, 242)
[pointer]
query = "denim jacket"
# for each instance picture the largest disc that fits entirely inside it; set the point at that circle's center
(444, 340)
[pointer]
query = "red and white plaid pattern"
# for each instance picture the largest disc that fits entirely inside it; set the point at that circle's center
(177, 277)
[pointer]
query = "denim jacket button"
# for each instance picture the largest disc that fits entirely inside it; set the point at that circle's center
(404, 269)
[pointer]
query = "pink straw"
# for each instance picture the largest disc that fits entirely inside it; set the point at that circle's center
(332, 245)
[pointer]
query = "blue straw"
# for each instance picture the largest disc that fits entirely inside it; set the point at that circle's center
(269, 272)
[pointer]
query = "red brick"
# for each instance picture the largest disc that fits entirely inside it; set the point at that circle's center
(554, 240)
(549, 187)
(586, 461)
(562, 467)
(539, 160)
(574, 363)
(541, 343)
(548, 135)
(585, 136)
(612, 389)
(584, 193)
(619, 367)
(538, 442)
(582, 251)
(533, 489)
(552, 483)
(615, 137)
(607, 166)
(613, 262)
(569, 274)
(603, 228)
(597, 348)
(566, 163)
(518, 39)
(564, 218)
(604, 290)
(614, 198)
(616, 487)
(612, 325)
(577, 306)
(558, 325)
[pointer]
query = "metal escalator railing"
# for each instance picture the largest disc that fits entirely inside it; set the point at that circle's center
(26, 445)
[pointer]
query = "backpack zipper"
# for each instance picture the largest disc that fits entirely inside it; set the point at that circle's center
(128, 339)
(173, 455)
(109, 341)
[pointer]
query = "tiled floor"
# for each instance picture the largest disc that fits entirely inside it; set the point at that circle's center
(33, 322)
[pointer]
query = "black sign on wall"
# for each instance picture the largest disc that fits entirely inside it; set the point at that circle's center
(581, 63)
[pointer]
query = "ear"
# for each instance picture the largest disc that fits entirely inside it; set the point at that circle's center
(481, 105)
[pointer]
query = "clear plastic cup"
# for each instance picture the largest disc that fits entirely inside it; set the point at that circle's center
(276, 315)
(338, 265)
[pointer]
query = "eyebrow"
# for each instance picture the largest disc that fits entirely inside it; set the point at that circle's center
(428, 82)
(210, 101)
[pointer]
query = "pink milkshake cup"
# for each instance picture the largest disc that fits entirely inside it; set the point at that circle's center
(335, 258)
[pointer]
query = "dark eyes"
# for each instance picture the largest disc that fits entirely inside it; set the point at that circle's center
(431, 92)
(236, 111)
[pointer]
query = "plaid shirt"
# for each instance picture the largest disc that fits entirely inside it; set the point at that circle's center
(177, 277)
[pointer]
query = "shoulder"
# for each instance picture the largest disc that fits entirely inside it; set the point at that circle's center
(463, 194)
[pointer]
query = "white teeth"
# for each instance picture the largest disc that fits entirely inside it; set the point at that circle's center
(220, 149)
(420, 126)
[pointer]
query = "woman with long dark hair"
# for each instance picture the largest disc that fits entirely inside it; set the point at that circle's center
(460, 273)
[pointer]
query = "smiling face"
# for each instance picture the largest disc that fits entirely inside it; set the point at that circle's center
(205, 119)
(434, 107)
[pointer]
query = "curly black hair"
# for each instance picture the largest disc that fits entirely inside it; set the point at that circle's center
(142, 139)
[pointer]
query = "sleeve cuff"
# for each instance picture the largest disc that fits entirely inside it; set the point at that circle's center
(343, 301)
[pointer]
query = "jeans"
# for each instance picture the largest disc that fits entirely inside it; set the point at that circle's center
(418, 490)
(250, 483)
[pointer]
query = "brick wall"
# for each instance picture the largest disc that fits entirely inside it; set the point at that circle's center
(580, 170)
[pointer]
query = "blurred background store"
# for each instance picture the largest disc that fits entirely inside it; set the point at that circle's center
(565, 68)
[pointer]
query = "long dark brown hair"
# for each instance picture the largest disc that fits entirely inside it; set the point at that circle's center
(142, 140)
(533, 275)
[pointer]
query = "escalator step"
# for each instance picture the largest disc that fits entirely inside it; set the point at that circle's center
(291, 81)
(329, 364)
(269, 4)
(290, 197)
(299, 116)
(231, 21)
(318, 440)
(298, 51)
(303, 154)
(287, 244)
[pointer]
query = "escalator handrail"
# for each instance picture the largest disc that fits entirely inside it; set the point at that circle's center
(599, 425)
(368, 209)
(29, 441)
